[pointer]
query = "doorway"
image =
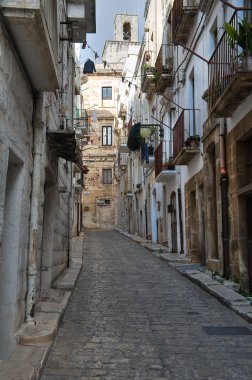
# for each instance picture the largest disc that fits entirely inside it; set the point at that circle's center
(9, 259)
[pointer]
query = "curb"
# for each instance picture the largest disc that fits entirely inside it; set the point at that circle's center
(201, 277)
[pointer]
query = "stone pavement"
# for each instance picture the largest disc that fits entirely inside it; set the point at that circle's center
(225, 291)
(132, 316)
(35, 339)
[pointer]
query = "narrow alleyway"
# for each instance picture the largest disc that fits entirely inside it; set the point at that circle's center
(132, 316)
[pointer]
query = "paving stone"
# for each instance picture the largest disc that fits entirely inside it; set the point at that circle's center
(132, 316)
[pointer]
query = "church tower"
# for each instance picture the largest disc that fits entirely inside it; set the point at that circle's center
(126, 28)
(125, 36)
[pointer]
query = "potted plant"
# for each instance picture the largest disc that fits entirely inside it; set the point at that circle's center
(243, 38)
(168, 164)
(193, 141)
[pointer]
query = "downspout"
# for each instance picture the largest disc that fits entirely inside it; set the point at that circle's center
(146, 219)
(180, 222)
(224, 201)
(32, 262)
(69, 218)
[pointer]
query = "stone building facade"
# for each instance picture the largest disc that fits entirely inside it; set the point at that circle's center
(197, 88)
(37, 151)
(102, 100)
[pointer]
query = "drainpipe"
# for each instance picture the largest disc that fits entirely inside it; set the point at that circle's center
(146, 218)
(224, 201)
(69, 217)
(180, 222)
(32, 263)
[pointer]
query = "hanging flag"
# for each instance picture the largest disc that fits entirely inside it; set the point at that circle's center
(153, 108)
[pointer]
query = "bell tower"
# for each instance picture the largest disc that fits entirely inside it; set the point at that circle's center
(126, 28)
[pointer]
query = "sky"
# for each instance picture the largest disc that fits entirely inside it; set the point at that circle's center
(106, 10)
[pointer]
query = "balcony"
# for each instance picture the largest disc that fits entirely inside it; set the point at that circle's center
(82, 19)
(122, 111)
(78, 181)
(164, 166)
(128, 191)
(33, 26)
(164, 77)
(148, 79)
(147, 156)
(186, 144)
(63, 143)
(205, 6)
(122, 162)
(183, 15)
(122, 144)
(230, 73)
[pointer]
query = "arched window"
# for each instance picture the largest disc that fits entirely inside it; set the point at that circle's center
(126, 31)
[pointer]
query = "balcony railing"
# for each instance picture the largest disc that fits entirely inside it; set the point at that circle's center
(183, 13)
(123, 161)
(230, 73)
(122, 144)
(186, 143)
(148, 78)
(164, 166)
(164, 76)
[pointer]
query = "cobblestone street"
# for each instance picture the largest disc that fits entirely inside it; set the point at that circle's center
(132, 316)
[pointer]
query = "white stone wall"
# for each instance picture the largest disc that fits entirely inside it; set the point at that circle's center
(16, 139)
(35, 190)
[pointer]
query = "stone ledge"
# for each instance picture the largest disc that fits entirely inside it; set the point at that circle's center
(40, 331)
(224, 294)
(26, 363)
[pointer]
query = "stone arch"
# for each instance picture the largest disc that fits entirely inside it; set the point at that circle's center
(126, 31)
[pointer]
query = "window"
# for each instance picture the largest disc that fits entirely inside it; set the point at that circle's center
(126, 31)
(106, 93)
(107, 135)
(107, 176)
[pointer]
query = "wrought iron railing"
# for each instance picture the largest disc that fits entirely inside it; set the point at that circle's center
(123, 159)
(163, 159)
(164, 62)
(227, 60)
(184, 131)
(178, 9)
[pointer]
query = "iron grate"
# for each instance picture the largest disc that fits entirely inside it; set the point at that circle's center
(230, 330)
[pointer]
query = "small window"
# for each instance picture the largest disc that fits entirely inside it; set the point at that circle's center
(107, 201)
(107, 135)
(107, 176)
(106, 93)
